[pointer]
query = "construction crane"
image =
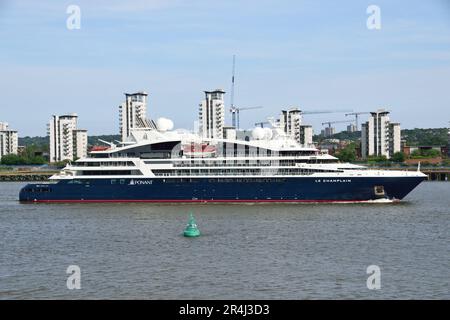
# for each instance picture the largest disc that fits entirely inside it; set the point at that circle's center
(261, 124)
(323, 111)
(232, 108)
(329, 132)
(306, 112)
(356, 114)
(331, 122)
(235, 114)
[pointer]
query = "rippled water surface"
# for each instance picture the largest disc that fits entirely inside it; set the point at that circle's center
(263, 251)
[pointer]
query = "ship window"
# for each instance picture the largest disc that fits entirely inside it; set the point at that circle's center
(113, 181)
(122, 181)
(110, 173)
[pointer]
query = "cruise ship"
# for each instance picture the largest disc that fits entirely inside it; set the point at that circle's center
(176, 166)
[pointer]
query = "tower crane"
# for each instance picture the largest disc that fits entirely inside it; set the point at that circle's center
(235, 114)
(323, 111)
(329, 133)
(356, 114)
(233, 109)
(261, 124)
(331, 122)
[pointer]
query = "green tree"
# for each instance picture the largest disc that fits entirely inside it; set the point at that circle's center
(11, 159)
(36, 160)
(425, 153)
(398, 157)
(377, 159)
(347, 154)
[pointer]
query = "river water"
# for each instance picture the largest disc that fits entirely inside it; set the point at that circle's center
(261, 251)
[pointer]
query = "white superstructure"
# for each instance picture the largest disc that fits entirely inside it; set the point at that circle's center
(163, 165)
(162, 153)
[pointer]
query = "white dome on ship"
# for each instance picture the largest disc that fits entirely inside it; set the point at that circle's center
(164, 124)
(268, 133)
(258, 133)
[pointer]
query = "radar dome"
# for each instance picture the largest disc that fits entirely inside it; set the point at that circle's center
(258, 133)
(268, 133)
(164, 124)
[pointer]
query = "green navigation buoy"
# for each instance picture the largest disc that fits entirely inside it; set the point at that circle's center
(191, 228)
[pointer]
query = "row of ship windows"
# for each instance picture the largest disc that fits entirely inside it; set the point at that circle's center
(226, 180)
(238, 172)
(174, 180)
(105, 164)
(38, 190)
(243, 163)
(169, 154)
(218, 172)
(111, 173)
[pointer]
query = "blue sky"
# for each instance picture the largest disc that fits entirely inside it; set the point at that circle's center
(312, 54)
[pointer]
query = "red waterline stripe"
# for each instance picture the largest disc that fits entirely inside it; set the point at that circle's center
(189, 201)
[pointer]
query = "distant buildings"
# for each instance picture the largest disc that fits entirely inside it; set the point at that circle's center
(8, 140)
(379, 136)
(328, 132)
(291, 122)
(351, 128)
(133, 113)
(67, 142)
(212, 115)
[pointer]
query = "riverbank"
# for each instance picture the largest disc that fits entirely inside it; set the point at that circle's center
(26, 176)
(434, 174)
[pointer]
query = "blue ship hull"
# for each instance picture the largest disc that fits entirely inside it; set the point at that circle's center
(292, 189)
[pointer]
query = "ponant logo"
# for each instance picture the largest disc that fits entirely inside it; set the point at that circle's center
(140, 182)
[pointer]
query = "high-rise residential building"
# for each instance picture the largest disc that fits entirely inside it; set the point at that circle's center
(306, 135)
(133, 113)
(380, 137)
(395, 141)
(8, 140)
(212, 114)
(80, 143)
(67, 142)
(3, 126)
(291, 122)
